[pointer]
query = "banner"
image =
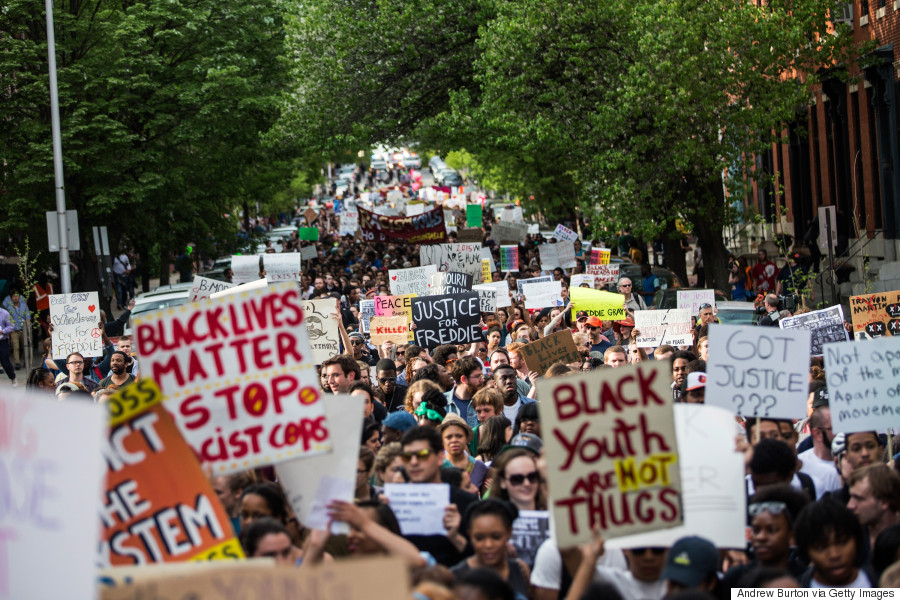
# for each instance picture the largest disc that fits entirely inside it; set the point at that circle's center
(393, 329)
(692, 299)
(204, 286)
(449, 319)
(509, 232)
(474, 215)
(448, 282)
(366, 312)
(323, 327)
(502, 293)
(863, 389)
(875, 315)
(282, 267)
(658, 327)
(158, 505)
(238, 376)
(825, 326)
(554, 348)
(416, 280)
(427, 228)
(51, 477)
(509, 258)
(244, 268)
(76, 324)
(758, 371)
(604, 274)
(604, 305)
(563, 233)
(600, 256)
(462, 258)
(542, 294)
(348, 223)
(611, 450)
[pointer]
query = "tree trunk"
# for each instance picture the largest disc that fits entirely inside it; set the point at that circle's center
(163, 265)
(673, 254)
(715, 256)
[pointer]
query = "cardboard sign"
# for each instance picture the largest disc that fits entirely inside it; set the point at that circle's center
(238, 376)
(758, 370)
(310, 215)
(348, 224)
(554, 348)
(542, 294)
(509, 232)
(416, 280)
(426, 228)
(419, 507)
(692, 299)
(600, 256)
(309, 253)
(470, 235)
(530, 529)
(658, 327)
(444, 282)
(448, 319)
(502, 291)
(474, 215)
(382, 578)
(825, 326)
(604, 274)
(310, 234)
(604, 305)
(395, 306)
(204, 287)
(323, 327)
(875, 315)
(76, 324)
(509, 258)
(51, 476)
(282, 267)
(563, 233)
(462, 258)
(712, 479)
(244, 268)
(366, 312)
(158, 505)
(389, 329)
(862, 384)
(581, 278)
(612, 454)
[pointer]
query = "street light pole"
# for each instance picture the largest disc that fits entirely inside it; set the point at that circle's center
(65, 278)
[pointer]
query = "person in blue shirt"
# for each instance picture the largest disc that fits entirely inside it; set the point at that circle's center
(649, 284)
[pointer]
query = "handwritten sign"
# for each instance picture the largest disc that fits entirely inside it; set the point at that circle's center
(282, 267)
(875, 315)
(580, 279)
(416, 280)
(600, 256)
(470, 235)
(486, 275)
(203, 287)
(863, 384)
(554, 348)
(487, 297)
(426, 228)
(366, 312)
(309, 253)
(448, 282)
(530, 529)
(238, 376)
(394, 306)
(502, 290)
(563, 233)
(520, 283)
(158, 505)
(509, 258)
(389, 329)
(449, 319)
(604, 305)
(612, 454)
(348, 223)
(758, 370)
(658, 327)
(244, 268)
(76, 324)
(462, 258)
(323, 328)
(51, 475)
(542, 294)
(604, 274)
(509, 232)
(419, 507)
(692, 299)
(825, 326)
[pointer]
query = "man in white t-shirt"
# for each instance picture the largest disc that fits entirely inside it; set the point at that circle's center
(817, 461)
(547, 574)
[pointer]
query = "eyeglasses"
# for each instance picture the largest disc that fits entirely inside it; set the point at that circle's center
(418, 454)
(76, 362)
(387, 379)
(482, 351)
(518, 479)
(356, 342)
(656, 550)
(776, 508)
(401, 353)
(624, 285)
(590, 327)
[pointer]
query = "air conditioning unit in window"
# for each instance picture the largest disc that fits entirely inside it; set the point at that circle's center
(845, 15)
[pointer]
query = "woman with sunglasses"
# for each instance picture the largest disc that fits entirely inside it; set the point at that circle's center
(635, 354)
(517, 480)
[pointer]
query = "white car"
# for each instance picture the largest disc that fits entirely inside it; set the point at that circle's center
(164, 297)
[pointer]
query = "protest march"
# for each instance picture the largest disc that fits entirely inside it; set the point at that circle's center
(418, 396)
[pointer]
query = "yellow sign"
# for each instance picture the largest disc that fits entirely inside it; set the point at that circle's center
(605, 305)
(486, 270)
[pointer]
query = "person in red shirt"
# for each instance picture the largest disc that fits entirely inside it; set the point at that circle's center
(764, 273)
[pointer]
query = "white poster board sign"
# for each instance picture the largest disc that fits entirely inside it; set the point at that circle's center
(415, 280)
(603, 274)
(309, 253)
(487, 296)
(658, 327)
(863, 384)
(543, 294)
(282, 267)
(758, 371)
(76, 324)
(692, 299)
(560, 254)
(825, 326)
(419, 507)
(366, 312)
(581, 278)
(564, 233)
(502, 291)
(204, 287)
(244, 268)
(462, 258)
(349, 222)
(323, 328)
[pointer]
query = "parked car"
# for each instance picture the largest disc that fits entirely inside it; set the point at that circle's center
(412, 162)
(667, 278)
(164, 297)
(436, 164)
(732, 312)
(453, 179)
(379, 165)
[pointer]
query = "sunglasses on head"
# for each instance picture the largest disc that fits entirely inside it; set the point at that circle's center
(776, 508)
(519, 479)
(655, 551)
(705, 305)
(419, 454)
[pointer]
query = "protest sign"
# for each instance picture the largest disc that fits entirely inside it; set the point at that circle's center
(310, 215)
(76, 324)
(348, 223)
(612, 455)
(658, 327)
(530, 529)
(563, 233)
(758, 371)
(512, 214)
(448, 282)
(470, 235)
(382, 578)
(509, 232)
(712, 480)
(415, 280)
(692, 299)
(502, 289)
(565, 254)
(825, 326)
(158, 505)
(448, 319)
(309, 253)
(323, 327)
(604, 274)
(204, 286)
(462, 258)
(474, 215)
(415, 208)
(875, 315)
(549, 256)
(238, 376)
(487, 296)
(604, 305)
(394, 306)
(51, 475)
(520, 283)
(600, 256)
(366, 312)
(310, 234)
(542, 294)
(259, 284)
(282, 267)
(486, 275)
(509, 258)
(863, 388)
(310, 483)
(485, 255)
(556, 347)
(427, 228)
(244, 268)
(582, 278)
(393, 329)
(419, 507)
